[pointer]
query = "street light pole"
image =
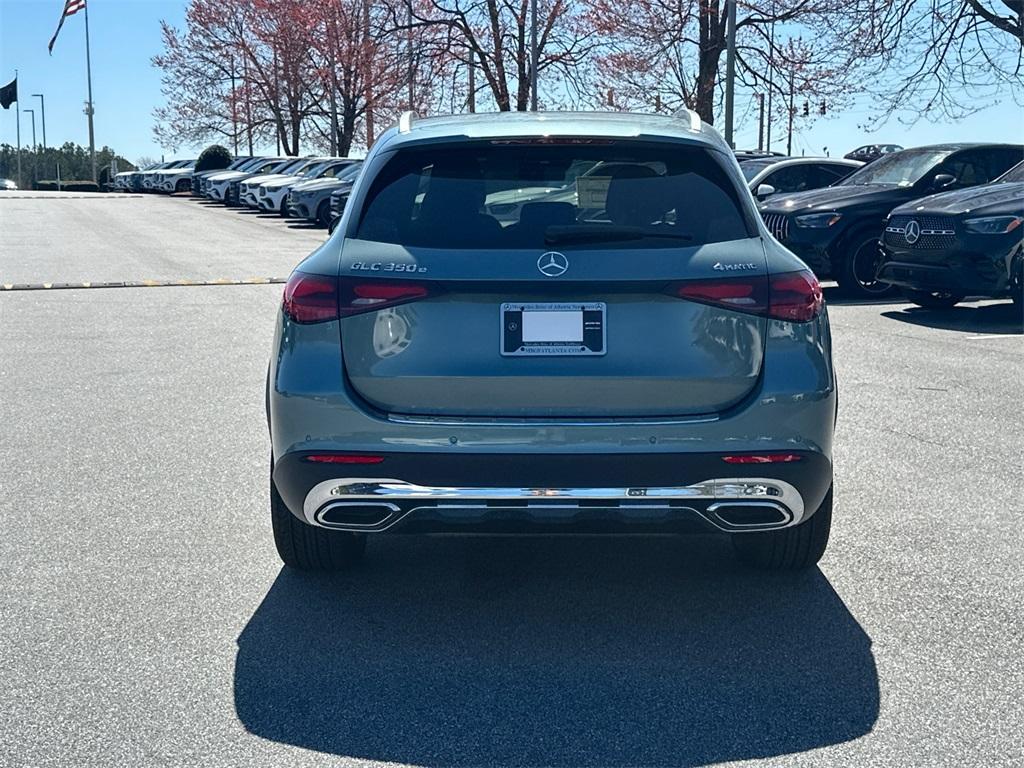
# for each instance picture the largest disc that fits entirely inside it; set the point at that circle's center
(17, 120)
(33, 113)
(89, 107)
(760, 122)
(730, 69)
(42, 110)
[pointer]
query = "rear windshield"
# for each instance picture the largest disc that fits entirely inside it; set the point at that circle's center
(607, 194)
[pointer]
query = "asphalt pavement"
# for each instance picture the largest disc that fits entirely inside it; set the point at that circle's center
(146, 620)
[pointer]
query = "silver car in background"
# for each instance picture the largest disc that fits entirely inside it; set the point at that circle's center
(635, 356)
(311, 200)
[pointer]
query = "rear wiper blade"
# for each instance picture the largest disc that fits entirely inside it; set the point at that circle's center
(599, 233)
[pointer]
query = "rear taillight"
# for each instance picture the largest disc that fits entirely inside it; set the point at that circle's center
(744, 294)
(361, 296)
(310, 298)
(795, 296)
(318, 298)
(792, 296)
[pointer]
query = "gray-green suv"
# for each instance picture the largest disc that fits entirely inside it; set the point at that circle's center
(632, 354)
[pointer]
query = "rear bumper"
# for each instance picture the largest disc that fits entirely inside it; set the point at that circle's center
(569, 493)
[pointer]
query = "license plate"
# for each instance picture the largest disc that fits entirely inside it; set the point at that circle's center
(553, 329)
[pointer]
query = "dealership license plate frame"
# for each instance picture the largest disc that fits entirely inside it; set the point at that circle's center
(542, 318)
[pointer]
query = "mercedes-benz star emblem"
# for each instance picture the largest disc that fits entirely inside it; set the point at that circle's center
(553, 264)
(913, 231)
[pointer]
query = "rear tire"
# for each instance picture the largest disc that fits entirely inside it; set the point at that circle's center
(860, 262)
(309, 548)
(933, 299)
(789, 549)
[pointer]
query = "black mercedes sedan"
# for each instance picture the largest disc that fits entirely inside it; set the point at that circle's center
(944, 247)
(836, 230)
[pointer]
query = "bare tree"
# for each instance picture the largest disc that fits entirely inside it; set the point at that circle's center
(492, 38)
(943, 58)
(240, 61)
(669, 53)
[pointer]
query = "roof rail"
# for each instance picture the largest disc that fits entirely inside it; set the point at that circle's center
(405, 121)
(689, 115)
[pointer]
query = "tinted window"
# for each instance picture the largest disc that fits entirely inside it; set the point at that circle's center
(980, 166)
(335, 170)
(794, 178)
(252, 163)
(294, 167)
(534, 196)
(751, 168)
(827, 174)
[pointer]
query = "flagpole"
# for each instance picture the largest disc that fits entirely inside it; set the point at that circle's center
(89, 109)
(17, 120)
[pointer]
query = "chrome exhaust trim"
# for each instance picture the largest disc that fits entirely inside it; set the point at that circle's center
(766, 515)
(368, 492)
(345, 515)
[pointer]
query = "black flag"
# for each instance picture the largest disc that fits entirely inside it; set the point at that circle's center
(9, 93)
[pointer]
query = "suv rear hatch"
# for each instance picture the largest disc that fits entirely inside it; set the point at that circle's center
(544, 280)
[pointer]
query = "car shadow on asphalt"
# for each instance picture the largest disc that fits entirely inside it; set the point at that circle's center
(835, 295)
(554, 652)
(997, 318)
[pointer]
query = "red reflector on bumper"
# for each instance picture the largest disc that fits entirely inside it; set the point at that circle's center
(343, 458)
(762, 458)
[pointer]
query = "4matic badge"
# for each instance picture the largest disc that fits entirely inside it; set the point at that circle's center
(733, 267)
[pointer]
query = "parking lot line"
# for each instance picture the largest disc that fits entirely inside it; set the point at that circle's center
(140, 284)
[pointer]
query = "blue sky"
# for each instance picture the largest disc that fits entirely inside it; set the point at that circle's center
(125, 34)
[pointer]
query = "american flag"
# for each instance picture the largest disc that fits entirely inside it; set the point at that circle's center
(71, 7)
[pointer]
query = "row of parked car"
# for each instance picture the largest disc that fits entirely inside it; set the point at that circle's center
(940, 223)
(311, 188)
(170, 177)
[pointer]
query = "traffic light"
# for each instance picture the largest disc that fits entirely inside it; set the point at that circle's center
(807, 108)
(824, 108)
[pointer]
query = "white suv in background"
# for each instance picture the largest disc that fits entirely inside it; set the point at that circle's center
(248, 190)
(178, 179)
